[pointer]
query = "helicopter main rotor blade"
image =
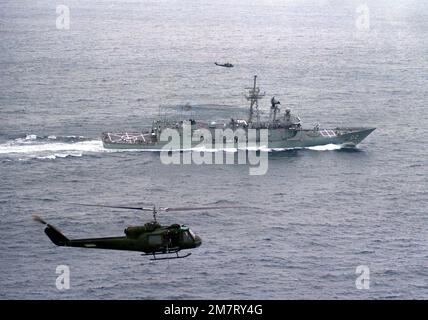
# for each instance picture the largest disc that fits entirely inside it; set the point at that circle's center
(161, 208)
(199, 208)
(114, 207)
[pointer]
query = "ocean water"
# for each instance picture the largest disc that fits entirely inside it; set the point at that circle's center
(315, 216)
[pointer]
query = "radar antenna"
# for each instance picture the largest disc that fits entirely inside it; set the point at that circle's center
(154, 213)
(253, 96)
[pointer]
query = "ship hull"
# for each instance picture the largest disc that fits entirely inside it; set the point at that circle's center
(278, 139)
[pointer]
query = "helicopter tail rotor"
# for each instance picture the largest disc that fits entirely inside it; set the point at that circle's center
(53, 233)
(39, 219)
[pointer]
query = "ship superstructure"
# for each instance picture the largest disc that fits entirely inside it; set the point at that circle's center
(282, 131)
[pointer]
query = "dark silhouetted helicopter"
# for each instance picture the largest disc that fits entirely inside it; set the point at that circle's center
(227, 64)
(151, 238)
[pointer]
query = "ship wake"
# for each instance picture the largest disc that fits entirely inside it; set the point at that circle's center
(49, 147)
(53, 147)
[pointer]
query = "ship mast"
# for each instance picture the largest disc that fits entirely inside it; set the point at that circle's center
(253, 96)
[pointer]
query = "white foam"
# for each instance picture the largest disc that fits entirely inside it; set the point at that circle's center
(259, 148)
(59, 155)
(50, 157)
(327, 147)
(83, 146)
(29, 147)
(204, 149)
(31, 137)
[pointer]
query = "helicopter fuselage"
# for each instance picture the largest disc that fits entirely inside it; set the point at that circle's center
(151, 238)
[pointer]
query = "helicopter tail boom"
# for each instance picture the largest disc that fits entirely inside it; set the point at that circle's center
(56, 236)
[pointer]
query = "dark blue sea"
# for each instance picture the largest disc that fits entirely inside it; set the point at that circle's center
(313, 218)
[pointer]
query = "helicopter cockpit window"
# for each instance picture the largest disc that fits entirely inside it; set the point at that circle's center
(192, 234)
(187, 236)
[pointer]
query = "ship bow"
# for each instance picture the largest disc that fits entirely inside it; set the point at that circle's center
(353, 138)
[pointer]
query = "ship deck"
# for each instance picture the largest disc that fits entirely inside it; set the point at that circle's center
(128, 138)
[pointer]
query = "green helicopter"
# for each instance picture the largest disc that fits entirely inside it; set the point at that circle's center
(151, 238)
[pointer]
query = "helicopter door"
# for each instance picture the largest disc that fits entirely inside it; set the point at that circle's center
(155, 240)
(174, 239)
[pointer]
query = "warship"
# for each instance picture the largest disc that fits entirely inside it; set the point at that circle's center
(284, 131)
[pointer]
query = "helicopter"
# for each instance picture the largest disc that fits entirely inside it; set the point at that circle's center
(152, 238)
(227, 64)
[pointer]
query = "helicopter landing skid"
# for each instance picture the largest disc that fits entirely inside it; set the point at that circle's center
(167, 258)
